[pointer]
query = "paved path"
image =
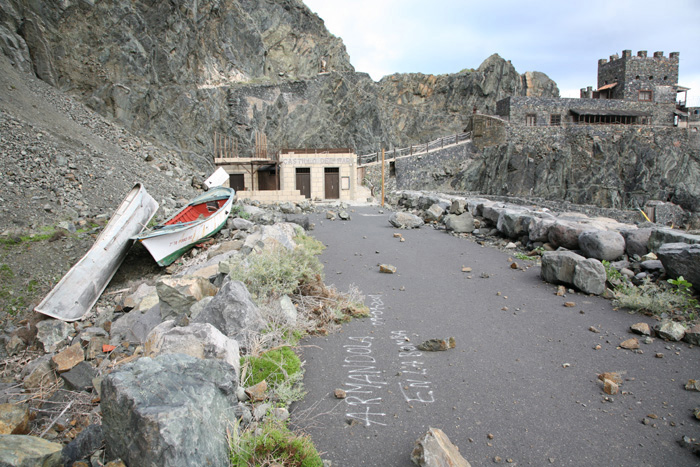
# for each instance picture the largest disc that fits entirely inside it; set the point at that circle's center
(523, 371)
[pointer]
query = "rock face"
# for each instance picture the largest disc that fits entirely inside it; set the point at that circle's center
(241, 66)
(170, 410)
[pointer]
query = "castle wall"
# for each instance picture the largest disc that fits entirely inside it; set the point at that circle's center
(640, 73)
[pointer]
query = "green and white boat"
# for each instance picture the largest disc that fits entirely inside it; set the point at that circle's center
(203, 217)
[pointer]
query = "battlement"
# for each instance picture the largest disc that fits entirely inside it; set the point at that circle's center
(627, 54)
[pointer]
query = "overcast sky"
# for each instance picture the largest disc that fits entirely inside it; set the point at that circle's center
(561, 38)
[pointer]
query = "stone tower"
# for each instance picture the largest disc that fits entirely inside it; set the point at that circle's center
(639, 78)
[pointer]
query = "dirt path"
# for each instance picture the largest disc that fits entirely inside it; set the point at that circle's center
(520, 386)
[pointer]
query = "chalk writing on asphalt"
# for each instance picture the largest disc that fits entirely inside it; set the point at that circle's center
(376, 310)
(363, 382)
(412, 387)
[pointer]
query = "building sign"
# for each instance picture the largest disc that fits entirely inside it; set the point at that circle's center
(318, 160)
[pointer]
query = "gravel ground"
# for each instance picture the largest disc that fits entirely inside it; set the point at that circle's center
(64, 170)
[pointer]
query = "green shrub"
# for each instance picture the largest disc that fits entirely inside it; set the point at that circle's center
(276, 272)
(274, 366)
(275, 444)
(651, 298)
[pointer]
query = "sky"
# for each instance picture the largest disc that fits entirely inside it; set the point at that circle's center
(561, 38)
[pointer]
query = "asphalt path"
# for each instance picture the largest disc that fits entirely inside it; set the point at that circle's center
(519, 388)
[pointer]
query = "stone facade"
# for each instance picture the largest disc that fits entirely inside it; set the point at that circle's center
(632, 90)
(658, 74)
(303, 174)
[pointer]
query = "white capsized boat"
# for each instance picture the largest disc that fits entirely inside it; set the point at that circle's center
(76, 293)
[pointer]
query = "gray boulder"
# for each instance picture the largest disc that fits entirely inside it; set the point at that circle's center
(242, 224)
(462, 223)
(53, 333)
(538, 229)
(565, 234)
(171, 410)
(135, 325)
(589, 276)
(662, 236)
(671, 330)
(458, 206)
(637, 241)
(434, 449)
(200, 340)
(681, 259)
(405, 220)
(602, 244)
(26, 451)
(558, 267)
(178, 294)
(232, 312)
(434, 213)
(513, 223)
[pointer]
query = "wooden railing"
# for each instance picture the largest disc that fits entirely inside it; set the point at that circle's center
(416, 148)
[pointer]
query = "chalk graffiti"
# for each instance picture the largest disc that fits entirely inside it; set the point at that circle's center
(376, 310)
(413, 390)
(363, 379)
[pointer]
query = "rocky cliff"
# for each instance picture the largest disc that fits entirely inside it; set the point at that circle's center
(179, 71)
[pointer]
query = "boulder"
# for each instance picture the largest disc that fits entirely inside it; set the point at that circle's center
(458, 206)
(681, 259)
(29, 451)
(80, 377)
(134, 298)
(565, 234)
(491, 212)
(692, 335)
(637, 241)
(170, 410)
(135, 325)
(283, 232)
(38, 373)
(89, 440)
(671, 330)
(405, 220)
(200, 340)
(239, 223)
(660, 237)
(301, 220)
(602, 244)
(538, 229)
(232, 312)
(434, 449)
(68, 358)
(460, 223)
(558, 267)
(434, 213)
(14, 419)
(53, 333)
(513, 223)
(590, 276)
(178, 294)
(289, 311)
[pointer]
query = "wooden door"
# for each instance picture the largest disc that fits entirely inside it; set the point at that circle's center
(237, 182)
(332, 182)
(303, 183)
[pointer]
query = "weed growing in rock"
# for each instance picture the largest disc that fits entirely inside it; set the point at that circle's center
(274, 445)
(275, 272)
(655, 299)
(274, 366)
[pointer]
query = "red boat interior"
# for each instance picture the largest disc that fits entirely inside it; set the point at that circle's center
(197, 211)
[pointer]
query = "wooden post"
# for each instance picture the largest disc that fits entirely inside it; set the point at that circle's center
(382, 177)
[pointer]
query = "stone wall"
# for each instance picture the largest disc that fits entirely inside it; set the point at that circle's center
(640, 73)
(516, 109)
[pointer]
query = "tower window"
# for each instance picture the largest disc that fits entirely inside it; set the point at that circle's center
(651, 77)
(645, 96)
(530, 120)
(555, 120)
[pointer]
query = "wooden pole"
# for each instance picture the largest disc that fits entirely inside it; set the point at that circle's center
(382, 177)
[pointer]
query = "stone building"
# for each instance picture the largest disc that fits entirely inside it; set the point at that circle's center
(294, 175)
(632, 90)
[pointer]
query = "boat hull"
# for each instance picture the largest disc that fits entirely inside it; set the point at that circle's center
(76, 293)
(166, 243)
